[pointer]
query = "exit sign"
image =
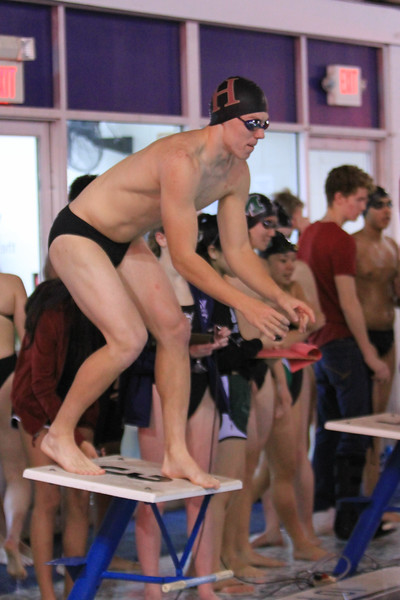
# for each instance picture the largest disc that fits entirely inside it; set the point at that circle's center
(343, 85)
(11, 82)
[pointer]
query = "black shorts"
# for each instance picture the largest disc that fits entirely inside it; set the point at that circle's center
(67, 222)
(382, 340)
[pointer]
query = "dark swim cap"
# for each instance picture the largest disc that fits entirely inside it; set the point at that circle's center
(208, 234)
(234, 97)
(374, 197)
(278, 245)
(258, 208)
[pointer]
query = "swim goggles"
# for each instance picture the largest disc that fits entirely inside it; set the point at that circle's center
(269, 224)
(253, 124)
(378, 204)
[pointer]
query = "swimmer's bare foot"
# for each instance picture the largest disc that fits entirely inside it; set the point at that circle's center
(205, 591)
(391, 516)
(64, 451)
(15, 568)
(250, 574)
(266, 562)
(244, 569)
(309, 552)
(314, 539)
(184, 467)
(249, 557)
(266, 539)
(234, 587)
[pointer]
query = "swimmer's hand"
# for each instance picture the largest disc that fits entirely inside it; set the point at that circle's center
(221, 339)
(266, 319)
(380, 369)
(88, 449)
(298, 312)
(221, 336)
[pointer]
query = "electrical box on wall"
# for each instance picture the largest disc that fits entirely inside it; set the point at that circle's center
(13, 52)
(343, 85)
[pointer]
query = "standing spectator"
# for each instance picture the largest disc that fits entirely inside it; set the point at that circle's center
(17, 495)
(343, 378)
(57, 339)
(377, 281)
(291, 213)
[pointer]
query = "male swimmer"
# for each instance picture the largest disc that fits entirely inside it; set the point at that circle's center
(97, 249)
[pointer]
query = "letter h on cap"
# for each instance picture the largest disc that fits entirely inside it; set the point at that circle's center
(229, 91)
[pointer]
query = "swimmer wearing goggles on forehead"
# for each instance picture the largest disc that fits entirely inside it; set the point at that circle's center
(378, 204)
(379, 199)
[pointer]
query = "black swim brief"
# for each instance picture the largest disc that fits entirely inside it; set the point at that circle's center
(382, 340)
(67, 222)
(7, 366)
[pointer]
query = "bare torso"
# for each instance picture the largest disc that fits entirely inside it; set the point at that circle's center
(377, 268)
(125, 202)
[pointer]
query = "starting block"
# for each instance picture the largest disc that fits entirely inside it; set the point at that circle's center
(130, 481)
(385, 425)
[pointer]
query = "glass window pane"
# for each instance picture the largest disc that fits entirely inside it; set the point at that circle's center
(19, 215)
(273, 165)
(94, 147)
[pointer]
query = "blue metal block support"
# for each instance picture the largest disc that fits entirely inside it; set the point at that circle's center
(371, 516)
(102, 549)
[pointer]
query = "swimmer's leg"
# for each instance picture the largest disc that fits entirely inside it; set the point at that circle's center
(159, 308)
(98, 290)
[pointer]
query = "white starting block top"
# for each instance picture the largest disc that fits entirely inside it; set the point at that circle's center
(384, 425)
(130, 478)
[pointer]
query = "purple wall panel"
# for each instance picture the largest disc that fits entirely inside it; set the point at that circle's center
(28, 20)
(265, 58)
(124, 64)
(321, 54)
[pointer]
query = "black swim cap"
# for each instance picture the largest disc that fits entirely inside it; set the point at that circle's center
(278, 245)
(208, 234)
(234, 97)
(258, 208)
(373, 198)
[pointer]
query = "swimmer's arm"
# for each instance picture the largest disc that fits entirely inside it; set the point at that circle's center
(305, 277)
(179, 185)
(396, 280)
(247, 266)
(354, 316)
(249, 332)
(296, 335)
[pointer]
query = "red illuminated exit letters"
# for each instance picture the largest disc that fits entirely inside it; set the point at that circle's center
(11, 83)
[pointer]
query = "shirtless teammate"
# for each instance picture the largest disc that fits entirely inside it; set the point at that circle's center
(377, 281)
(97, 249)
